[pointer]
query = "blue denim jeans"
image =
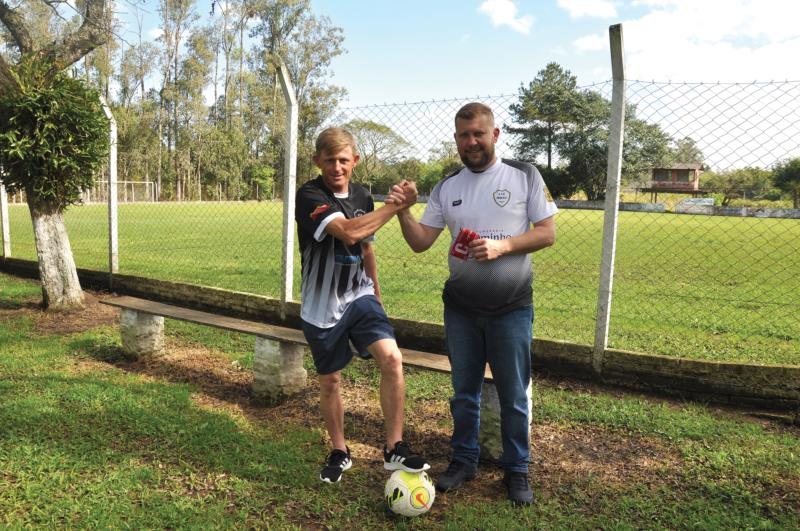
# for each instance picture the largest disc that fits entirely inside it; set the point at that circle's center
(505, 343)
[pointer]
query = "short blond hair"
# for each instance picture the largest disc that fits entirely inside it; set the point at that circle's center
(333, 140)
(472, 110)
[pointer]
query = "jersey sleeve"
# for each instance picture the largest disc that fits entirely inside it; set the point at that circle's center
(314, 210)
(540, 202)
(433, 215)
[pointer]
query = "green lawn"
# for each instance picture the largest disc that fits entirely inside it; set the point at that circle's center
(716, 288)
(90, 440)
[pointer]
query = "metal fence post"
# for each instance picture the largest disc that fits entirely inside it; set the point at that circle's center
(289, 181)
(113, 226)
(615, 139)
(5, 222)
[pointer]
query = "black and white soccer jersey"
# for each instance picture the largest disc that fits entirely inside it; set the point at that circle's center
(333, 272)
(498, 203)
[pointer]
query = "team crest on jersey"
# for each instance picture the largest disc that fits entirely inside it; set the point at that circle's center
(501, 197)
(321, 209)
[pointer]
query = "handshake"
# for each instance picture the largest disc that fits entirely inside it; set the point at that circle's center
(403, 194)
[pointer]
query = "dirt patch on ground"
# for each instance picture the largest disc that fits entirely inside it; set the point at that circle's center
(560, 455)
(63, 323)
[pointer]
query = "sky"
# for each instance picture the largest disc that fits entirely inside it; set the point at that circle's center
(438, 54)
(438, 49)
(421, 50)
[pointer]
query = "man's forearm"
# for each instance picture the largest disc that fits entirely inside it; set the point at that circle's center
(352, 231)
(542, 235)
(413, 231)
(530, 241)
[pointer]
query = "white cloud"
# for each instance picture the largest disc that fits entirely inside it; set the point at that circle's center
(589, 8)
(712, 40)
(504, 13)
(712, 51)
(591, 43)
(154, 33)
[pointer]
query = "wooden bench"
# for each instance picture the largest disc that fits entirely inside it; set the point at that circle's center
(278, 359)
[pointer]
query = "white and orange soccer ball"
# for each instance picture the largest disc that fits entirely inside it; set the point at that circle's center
(409, 493)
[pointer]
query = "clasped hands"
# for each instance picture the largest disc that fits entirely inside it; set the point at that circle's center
(402, 194)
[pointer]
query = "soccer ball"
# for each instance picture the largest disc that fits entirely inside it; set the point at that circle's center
(409, 493)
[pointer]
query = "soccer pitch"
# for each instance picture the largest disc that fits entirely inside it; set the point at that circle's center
(702, 287)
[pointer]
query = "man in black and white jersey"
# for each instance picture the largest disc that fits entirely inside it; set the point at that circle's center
(336, 220)
(488, 298)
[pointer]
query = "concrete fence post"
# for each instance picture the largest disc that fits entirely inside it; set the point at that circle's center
(5, 222)
(289, 182)
(615, 138)
(113, 217)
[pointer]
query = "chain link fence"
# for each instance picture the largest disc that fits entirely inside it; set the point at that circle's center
(693, 280)
(714, 282)
(566, 276)
(234, 245)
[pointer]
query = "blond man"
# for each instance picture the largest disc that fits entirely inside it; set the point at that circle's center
(336, 222)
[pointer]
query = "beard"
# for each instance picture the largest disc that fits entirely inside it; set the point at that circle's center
(479, 164)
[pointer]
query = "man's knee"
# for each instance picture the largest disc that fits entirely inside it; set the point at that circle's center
(388, 356)
(329, 383)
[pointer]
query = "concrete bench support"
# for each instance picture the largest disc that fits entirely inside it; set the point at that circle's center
(277, 369)
(489, 436)
(142, 333)
(278, 362)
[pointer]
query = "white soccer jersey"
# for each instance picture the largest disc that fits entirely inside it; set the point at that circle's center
(498, 203)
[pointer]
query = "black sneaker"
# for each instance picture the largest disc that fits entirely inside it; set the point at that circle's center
(402, 458)
(337, 462)
(456, 474)
(518, 490)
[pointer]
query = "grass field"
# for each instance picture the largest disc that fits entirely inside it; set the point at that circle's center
(89, 439)
(718, 288)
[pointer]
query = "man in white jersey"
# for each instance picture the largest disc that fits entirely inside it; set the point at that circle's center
(336, 221)
(488, 298)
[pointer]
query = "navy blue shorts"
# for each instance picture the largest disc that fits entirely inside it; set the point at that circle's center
(364, 322)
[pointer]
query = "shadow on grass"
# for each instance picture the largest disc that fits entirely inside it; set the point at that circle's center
(99, 422)
(211, 376)
(20, 304)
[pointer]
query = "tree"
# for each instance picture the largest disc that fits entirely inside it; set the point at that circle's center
(645, 146)
(177, 17)
(786, 177)
(686, 151)
(732, 184)
(585, 144)
(561, 182)
(558, 120)
(53, 136)
(545, 111)
(313, 45)
(443, 160)
(378, 146)
(306, 44)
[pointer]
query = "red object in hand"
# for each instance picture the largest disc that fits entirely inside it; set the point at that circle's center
(460, 248)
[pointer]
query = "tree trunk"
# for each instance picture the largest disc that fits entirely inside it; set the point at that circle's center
(61, 289)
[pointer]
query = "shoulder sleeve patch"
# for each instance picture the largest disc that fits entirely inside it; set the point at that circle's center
(318, 211)
(548, 195)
